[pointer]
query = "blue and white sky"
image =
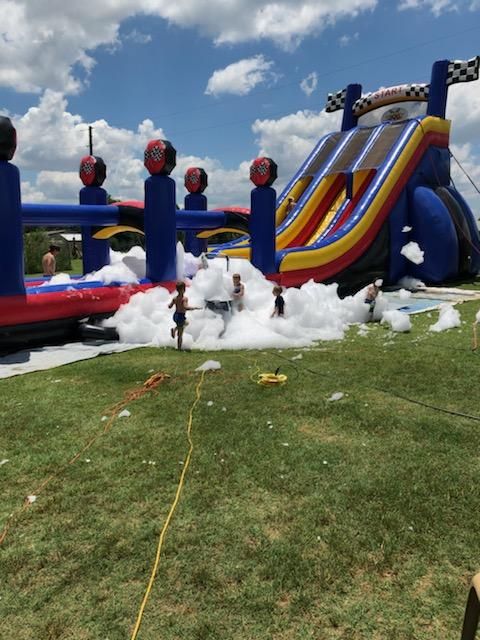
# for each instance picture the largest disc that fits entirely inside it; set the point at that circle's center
(223, 80)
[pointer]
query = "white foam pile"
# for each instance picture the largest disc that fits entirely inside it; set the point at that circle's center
(404, 294)
(128, 268)
(397, 320)
(448, 318)
(312, 312)
(411, 283)
(209, 365)
(413, 252)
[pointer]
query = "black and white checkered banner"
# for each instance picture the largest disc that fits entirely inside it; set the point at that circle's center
(390, 95)
(417, 91)
(335, 101)
(463, 70)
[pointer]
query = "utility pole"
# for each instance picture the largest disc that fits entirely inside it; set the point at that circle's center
(90, 139)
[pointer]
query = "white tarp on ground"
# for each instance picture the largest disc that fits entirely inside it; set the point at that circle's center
(45, 358)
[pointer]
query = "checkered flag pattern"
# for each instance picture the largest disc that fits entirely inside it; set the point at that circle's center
(362, 103)
(155, 153)
(261, 168)
(418, 91)
(87, 168)
(335, 101)
(463, 70)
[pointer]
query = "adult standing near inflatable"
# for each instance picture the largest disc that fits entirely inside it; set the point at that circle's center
(49, 263)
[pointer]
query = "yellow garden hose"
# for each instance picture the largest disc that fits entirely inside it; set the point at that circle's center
(172, 509)
(271, 379)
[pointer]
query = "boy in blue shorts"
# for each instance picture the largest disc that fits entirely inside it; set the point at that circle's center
(179, 317)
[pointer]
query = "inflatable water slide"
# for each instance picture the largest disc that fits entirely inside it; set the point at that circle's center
(380, 183)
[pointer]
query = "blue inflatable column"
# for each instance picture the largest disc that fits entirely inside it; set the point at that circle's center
(96, 253)
(196, 181)
(160, 222)
(437, 99)
(11, 256)
(263, 173)
(352, 93)
(193, 244)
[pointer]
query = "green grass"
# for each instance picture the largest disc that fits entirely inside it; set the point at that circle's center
(76, 268)
(363, 527)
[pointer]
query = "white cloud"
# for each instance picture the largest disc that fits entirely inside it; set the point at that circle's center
(463, 109)
(309, 84)
(288, 140)
(51, 43)
(240, 77)
(345, 40)
(138, 37)
(435, 6)
(51, 141)
(31, 193)
(469, 160)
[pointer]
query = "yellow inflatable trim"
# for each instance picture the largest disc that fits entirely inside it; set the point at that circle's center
(213, 232)
(109, 232)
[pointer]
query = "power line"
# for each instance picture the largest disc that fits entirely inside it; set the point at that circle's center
(325, 74)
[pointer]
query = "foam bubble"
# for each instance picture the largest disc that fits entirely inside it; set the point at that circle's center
(448, 318)
(398, 321)
(413, 252)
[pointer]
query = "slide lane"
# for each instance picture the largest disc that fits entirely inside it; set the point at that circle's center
(328, 217)
(350, 237)
(306, 181)
(308, 209)
(305, 222)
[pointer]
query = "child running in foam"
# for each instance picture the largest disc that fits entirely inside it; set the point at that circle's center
(279, 308)
(238, 292)
(179, 317)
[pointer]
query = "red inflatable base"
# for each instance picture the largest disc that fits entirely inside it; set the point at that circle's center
(78, 303)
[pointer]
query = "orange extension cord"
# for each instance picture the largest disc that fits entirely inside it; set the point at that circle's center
(134, 394)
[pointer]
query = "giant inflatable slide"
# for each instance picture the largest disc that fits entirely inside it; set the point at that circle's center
(379, 183)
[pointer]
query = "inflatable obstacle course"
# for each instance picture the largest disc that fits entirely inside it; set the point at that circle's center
(36, 309)
(362, 194)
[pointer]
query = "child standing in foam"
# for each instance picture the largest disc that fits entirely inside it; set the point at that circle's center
(279, 308)
(179, 317)
(238, 292)
(371, 295)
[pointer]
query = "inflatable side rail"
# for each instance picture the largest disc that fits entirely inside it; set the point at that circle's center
(110, 215)
(472, 611)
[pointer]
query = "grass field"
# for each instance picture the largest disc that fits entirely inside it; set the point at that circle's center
(300, 517)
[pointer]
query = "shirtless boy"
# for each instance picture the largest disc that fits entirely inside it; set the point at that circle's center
(179, 317)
